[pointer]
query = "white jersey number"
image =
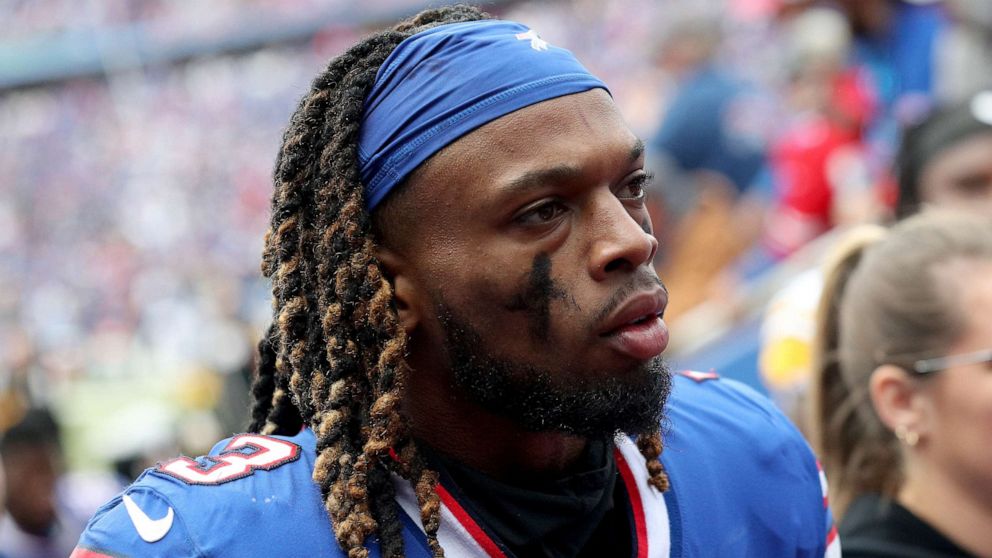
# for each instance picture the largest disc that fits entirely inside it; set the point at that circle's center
(241, 457)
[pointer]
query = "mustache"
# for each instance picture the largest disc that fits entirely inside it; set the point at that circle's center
(640, 282)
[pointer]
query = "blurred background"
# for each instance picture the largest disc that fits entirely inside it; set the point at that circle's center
(137, 139)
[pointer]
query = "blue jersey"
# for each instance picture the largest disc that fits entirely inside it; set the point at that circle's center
(743, 483)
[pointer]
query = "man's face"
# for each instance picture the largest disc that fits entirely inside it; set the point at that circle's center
(532, 255)
(31, 474)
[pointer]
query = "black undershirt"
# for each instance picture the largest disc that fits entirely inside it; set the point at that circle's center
(578, 515)
(877, 527)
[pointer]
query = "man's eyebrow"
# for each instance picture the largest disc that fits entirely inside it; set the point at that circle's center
(541, 177)
(561, 173)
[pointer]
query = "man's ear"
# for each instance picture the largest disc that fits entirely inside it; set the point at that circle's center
(898, 400)
(406, 294)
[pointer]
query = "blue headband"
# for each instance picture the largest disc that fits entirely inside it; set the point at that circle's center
(441, 84)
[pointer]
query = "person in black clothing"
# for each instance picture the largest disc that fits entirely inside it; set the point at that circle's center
(902, 391)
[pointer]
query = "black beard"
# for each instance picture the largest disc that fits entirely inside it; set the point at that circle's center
(531, 397)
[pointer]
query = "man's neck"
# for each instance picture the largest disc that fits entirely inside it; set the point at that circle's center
(961, 514)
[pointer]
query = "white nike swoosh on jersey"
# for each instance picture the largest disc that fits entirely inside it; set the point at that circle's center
(150, 530)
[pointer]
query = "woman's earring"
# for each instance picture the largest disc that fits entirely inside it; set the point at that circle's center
(907, 436)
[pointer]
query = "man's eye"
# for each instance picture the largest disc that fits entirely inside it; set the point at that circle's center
(544, 213)
(635, 189)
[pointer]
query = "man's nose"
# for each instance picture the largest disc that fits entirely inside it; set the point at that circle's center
(620, 242)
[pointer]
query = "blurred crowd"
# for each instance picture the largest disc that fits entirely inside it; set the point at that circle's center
(134, 203)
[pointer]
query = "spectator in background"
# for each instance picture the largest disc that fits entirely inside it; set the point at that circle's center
(895, 40)
(963, 52)
(879, 80)
(3, 500)
(818, 163)
(706, 153)
(943, 162)
(707, 126)
(901, 395)
(33, 526)
(946, 160)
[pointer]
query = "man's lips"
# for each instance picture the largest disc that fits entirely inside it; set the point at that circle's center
(639, 307)
(636, 328)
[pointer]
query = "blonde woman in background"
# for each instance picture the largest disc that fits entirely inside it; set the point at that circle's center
(944, 162)
(901, 400)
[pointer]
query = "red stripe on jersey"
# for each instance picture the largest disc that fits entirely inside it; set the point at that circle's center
(640, 527)
(480, 536)
(80, 552)
(831, 536)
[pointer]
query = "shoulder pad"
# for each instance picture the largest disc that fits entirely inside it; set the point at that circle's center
(252, 495)
(139, 522)
(739, 466)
